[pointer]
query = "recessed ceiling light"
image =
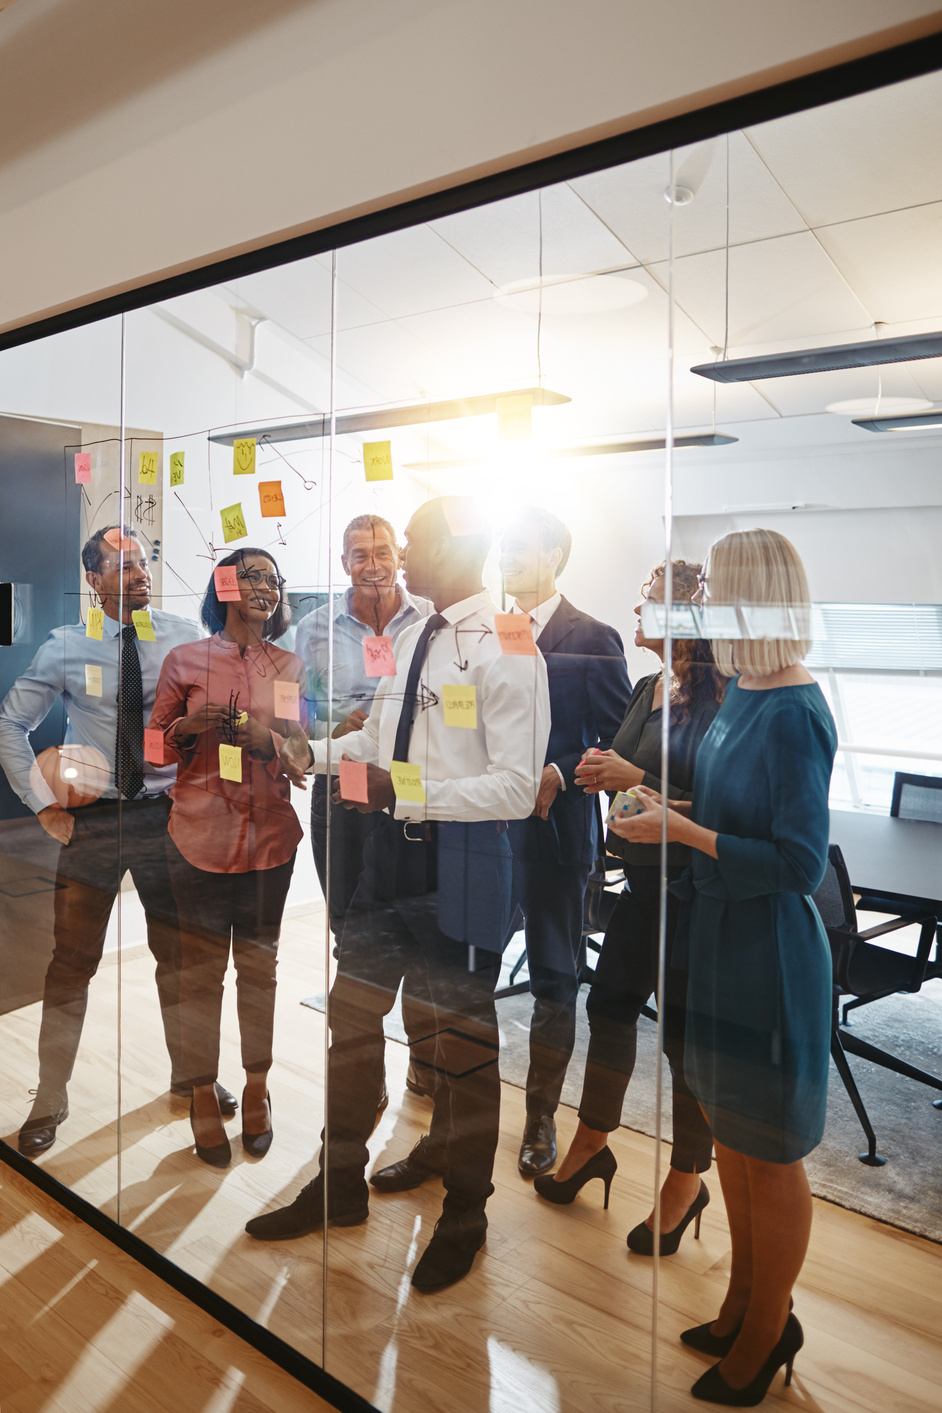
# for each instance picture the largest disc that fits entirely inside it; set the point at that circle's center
(573, 294)
(874, 406)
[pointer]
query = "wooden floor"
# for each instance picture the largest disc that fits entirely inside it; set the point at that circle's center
(555, 1317)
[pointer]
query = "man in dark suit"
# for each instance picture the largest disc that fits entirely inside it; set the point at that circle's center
(554, 850)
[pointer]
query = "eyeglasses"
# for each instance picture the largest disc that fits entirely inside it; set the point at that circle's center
(255, 577)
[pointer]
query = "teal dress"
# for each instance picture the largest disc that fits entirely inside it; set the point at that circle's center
(759, 992)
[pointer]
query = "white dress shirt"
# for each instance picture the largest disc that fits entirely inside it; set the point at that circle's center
(491, 771)
(539, 617)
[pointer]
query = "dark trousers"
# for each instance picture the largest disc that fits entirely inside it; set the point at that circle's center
(216, 909)
(391, 936)
(625, 976)
(108, 839)
(551, 899)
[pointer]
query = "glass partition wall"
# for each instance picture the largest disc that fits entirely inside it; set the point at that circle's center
(395, 557)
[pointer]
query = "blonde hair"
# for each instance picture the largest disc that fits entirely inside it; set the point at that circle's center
(759, 569)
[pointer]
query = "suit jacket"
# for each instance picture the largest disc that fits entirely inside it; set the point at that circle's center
(589, 691)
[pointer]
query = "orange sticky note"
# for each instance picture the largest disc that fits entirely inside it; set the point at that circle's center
(378, 657)
(377, 461)
(513, 630)
(83, 466)
(95, 623)
(287, 704)
(147, 464)
(230, 763)
(120, 542)
(154, 746)
(227, 583)
(353, 784)
(243, 456)
(271, 499)
(407, 781)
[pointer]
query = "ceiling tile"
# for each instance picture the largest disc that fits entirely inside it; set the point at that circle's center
(893, 262)
(405, 272)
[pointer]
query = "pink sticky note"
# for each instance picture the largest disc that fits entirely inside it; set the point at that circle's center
(154, 746)
(287, 705)
(514, 634)
(83, 466)
(227, 585)
(353, 784)
(378, 657)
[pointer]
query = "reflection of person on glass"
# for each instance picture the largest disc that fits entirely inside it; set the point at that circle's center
(101, 838)
(626, 971)
(432, 906)
(759, 998)
(224, 705)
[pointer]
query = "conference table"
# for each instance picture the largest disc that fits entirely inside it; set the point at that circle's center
(896, 859)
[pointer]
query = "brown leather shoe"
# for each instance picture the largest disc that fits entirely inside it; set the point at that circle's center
(417, 1083)
(422, 1164)
(39, 1131)
(538, 1149)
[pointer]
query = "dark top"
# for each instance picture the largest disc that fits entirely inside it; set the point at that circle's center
(638, 740)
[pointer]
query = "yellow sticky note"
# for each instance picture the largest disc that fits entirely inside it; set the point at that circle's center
(95, 623)
(377, 461)
(230, 763)
(147, 468)
(461, 705)
(243, 456)
(92, 680)
(233, 523)
(176, 468)
(140, 617)
(242, 718)
(514, 416)
(407, 781)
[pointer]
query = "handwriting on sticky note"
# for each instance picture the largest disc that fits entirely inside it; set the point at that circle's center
(226, 580)
(147, 464)
(95, 623)
(154, 746)
(271, 499)
(461, 705)
(377, 461)
(353, 781)
(83, 466)
(407, 781)
(514, 417)
(513, 632)
(92, 680)
(378, 659)
(123, 543)
(230, 762)
(143, 627)
(243, 456)
(233, 524)
(176, 468)
(287, 703)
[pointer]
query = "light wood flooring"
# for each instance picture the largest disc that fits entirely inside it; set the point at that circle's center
(556, 1316)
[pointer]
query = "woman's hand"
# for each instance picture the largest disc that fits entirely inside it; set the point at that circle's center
(256, 738)
(644, 828)
(208, 718)
(606, 770)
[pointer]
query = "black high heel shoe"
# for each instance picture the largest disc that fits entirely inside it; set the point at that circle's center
(257, 1144)
(602, 1164)
(641, 1237)
(705, 1342)
(217, 1155)
(713, 1388)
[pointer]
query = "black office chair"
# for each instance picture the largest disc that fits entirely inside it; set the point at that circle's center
(868, 972)
(917, 797)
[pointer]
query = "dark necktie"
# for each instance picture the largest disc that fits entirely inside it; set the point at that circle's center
(129, 738)
(404, 729)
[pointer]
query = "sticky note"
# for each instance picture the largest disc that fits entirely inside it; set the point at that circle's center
(120, 542)
(353, 784)
(154, 746)
(140, 617)
(407, 781)
(242, 718)
(225, 577)
(514, 417)
(377, 461)
(233, 525)
(83, 466)
(230, 762)
(378, 657)
(461, 705)
(271, 499)
(287, 704)
(92, 680)
(176, 468)
(243, 456)
(513, 631)
(147, 464)
(95, 623)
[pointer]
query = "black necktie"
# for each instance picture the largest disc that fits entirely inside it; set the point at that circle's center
(404, 729)
(129, 738)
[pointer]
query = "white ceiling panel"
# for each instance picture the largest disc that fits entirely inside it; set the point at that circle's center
(298, 298)
(406, 272)
(893, 261)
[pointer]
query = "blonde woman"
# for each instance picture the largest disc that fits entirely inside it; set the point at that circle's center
(759, 997)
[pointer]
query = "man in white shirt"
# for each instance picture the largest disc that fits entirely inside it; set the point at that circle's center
(453, 749)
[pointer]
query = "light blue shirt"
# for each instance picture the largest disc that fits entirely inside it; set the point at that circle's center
(352, 688)
(58, 672)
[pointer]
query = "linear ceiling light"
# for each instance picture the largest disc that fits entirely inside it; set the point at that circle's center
(592, 449)
(406, 415)
(931, 421)
(870, 354)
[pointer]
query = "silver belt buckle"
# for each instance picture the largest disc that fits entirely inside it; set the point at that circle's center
(413, 823)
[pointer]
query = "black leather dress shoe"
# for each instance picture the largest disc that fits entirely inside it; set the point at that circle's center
(538, 1149)
(228, 1103)
(306, 1213)
(423, 1163)
(39, 1131)
(417, 1083)
(450, 1254)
